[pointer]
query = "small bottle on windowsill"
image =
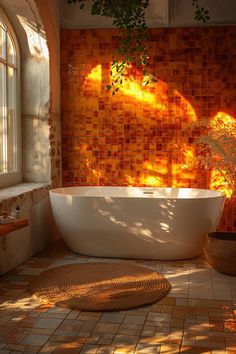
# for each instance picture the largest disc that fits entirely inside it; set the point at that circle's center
(17, 212)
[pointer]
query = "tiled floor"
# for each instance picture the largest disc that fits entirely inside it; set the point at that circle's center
(197, 316)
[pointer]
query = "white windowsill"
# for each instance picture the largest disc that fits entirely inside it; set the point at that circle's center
(22, 188)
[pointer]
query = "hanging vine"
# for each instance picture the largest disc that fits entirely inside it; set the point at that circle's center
(201, 14)
(129, 17)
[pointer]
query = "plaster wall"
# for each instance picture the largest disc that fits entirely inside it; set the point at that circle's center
(18, 246)
(160, 13)
(221, 12)
(35, 88)
(72, 17)
(49, 12)
(37, 26)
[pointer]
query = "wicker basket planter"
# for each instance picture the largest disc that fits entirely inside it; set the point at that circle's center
(220, 251)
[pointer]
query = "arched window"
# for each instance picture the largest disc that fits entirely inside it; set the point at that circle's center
(10, 169)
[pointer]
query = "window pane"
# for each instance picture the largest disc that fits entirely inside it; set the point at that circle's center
(2, 24)
(9, 114)
(2, 43)
(3, 120)
(11, 53)
(11, 121)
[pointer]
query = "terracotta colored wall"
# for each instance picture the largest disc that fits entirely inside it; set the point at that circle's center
(141, 136)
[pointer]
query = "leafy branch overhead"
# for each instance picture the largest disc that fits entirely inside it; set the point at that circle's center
(201, 14)
(129, 17)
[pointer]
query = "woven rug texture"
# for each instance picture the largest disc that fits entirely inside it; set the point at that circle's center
(99, 286)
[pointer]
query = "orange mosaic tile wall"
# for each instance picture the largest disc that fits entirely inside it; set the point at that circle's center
(143, 136)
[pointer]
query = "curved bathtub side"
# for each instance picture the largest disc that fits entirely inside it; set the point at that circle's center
(136, 227)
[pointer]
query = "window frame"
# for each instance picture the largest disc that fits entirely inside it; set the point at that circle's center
(13, 177)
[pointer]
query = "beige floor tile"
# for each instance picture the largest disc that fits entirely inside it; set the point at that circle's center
(106, 349)
(130, 329)
(129, 349)
(199, 314)
(112, 317)
(49, 323)
(134, 319)
(125, 339)
(170, 349)
(104, 327)
(106, 339)
(147, 349)
(35, 339)
(89, 349)
(73, 315)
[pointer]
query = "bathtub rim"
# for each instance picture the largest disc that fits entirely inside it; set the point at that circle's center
(61, 191)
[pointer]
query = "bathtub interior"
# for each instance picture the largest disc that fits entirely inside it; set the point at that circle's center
(140, 192)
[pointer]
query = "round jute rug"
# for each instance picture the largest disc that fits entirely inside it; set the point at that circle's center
(99, 286)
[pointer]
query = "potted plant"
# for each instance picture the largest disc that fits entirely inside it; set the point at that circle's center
(217, 152)
(220, 251)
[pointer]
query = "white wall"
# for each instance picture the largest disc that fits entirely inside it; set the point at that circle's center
(222, 12)
(35, 88)
(18, 246)
(49, 12)
(167, 13)
(40, 101)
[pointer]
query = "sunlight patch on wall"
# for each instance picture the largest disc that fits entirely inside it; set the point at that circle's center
(189, 155)
(157, 167)
(224, 123)
(218, 182)
(134, 89)
(151, 181)
(36, 38)
(95, 74)
(183, 106)
(164, 109)
(225, 120)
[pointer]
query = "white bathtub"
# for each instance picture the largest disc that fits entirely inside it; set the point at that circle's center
(130, 222)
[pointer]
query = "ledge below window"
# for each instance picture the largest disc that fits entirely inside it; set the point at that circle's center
(21, 189)
(15, 225)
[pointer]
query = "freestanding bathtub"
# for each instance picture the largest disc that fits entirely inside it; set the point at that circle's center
(133, 222)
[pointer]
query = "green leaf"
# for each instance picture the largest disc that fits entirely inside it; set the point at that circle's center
(129, 17)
